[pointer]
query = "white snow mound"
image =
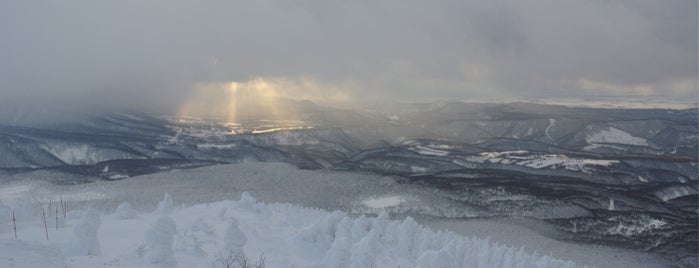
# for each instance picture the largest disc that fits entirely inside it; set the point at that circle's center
(614, 135)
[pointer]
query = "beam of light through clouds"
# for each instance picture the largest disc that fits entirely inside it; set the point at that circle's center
(157, 54)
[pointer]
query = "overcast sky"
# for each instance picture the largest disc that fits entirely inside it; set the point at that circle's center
(152, 53)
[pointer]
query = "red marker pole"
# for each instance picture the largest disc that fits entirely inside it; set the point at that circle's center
(14, 223)
(46, 228)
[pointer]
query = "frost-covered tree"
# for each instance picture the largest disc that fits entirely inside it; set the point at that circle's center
(234, 239)
(159, 242)
(124, 211)
(407, 232)
(166, 205)
(247, 201)
(85, 240)
(341, 249)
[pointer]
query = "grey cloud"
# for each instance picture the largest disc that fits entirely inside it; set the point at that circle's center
(150, 53)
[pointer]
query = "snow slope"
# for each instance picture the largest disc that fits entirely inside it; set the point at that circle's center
(540, 161)
(286, 235)
(615, 135)
(303, 236)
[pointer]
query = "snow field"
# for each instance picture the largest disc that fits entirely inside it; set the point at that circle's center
(200, 237)
(286, 235)
(614, 135)
(540, 161)
(383, 202)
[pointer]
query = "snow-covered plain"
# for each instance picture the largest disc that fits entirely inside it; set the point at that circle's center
(206, 218)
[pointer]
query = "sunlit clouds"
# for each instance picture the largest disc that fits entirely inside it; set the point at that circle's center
(257, 98)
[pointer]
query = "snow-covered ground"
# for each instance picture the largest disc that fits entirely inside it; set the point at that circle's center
(206, 218)
(613, 135)
(540, 161)
(284, 235)
(384, 202)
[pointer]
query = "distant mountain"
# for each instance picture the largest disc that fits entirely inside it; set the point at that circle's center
(644, 145)
(588, 171)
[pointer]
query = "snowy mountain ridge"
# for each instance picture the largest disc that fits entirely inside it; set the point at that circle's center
(586, 171)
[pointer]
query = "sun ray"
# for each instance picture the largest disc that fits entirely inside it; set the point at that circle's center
(269, 99)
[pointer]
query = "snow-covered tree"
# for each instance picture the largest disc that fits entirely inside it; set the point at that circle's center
(124, 211)
(234, 239)
(159, 242)
(166, 205)
(85, 240)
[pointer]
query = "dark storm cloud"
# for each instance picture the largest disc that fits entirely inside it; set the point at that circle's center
(150, 53)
